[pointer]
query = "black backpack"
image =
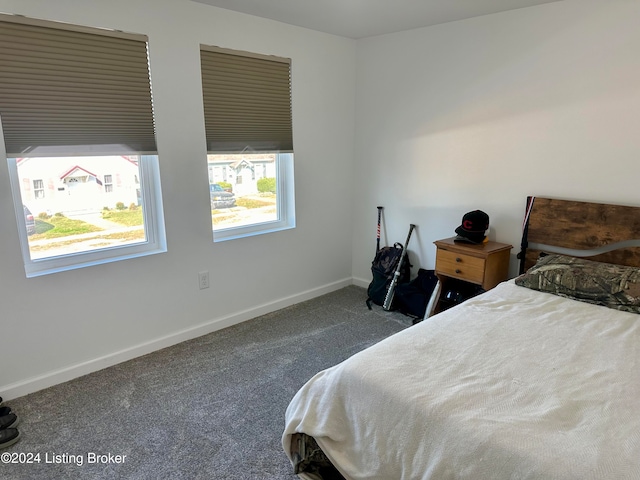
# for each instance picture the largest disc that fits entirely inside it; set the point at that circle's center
(412, 298)
(383, 267)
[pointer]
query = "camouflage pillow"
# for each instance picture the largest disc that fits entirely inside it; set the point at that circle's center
(613, 286)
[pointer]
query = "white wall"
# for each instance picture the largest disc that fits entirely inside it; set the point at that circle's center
(480, 113)
(59, 326)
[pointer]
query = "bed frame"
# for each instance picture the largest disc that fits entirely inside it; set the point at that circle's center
(597, 231)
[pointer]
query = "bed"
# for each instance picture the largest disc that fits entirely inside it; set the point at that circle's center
(538, 378)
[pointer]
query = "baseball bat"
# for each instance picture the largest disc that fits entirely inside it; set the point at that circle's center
(378, 232)
(388, 299)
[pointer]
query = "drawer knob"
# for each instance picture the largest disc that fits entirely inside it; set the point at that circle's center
(458, 270)
(458, 259)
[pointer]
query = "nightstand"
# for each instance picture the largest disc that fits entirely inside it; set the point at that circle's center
(483, 266)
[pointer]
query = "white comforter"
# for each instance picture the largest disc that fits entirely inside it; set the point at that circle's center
(513, 384)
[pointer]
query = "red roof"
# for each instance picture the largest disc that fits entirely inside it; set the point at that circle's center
(78, 167)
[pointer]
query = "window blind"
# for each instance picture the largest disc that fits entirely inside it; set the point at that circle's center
(247, 101)
(67, 89)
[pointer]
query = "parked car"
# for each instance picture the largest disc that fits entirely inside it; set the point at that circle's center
(29, 221)
(220, 198)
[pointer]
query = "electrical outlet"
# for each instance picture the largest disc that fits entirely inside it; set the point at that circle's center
(203, 279)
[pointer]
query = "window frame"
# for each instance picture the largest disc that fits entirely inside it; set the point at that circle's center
(285, 201)
(153, 226)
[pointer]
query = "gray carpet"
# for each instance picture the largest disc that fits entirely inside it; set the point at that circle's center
(208, 408)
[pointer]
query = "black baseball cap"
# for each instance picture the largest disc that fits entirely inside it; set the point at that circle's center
(473, 227)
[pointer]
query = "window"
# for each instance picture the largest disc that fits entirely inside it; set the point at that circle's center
(38, 189)
(108, 183)
(68, 122)
(83, 224)
(247, 104)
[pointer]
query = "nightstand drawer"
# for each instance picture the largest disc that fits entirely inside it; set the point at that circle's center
(459, 265)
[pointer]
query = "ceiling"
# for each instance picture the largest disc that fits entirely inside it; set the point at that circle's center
(365, 18)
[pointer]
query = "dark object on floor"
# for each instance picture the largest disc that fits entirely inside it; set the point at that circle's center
(457, 291)
(8, 437)
(412, 297)
(9, 420)
(4, 410)
(382, 268)
(308, 457)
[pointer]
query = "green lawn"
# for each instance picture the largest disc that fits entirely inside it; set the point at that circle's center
(128, 218)
(59, 226)
(254, 202)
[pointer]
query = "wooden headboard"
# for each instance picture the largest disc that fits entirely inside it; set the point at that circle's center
(598, 231)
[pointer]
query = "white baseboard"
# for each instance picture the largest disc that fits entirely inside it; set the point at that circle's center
(55, 377)
(361, 282)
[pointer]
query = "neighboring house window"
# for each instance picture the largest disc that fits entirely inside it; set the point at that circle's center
(85, 117)
(38, 189)
(108, 184)
(247, 105)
